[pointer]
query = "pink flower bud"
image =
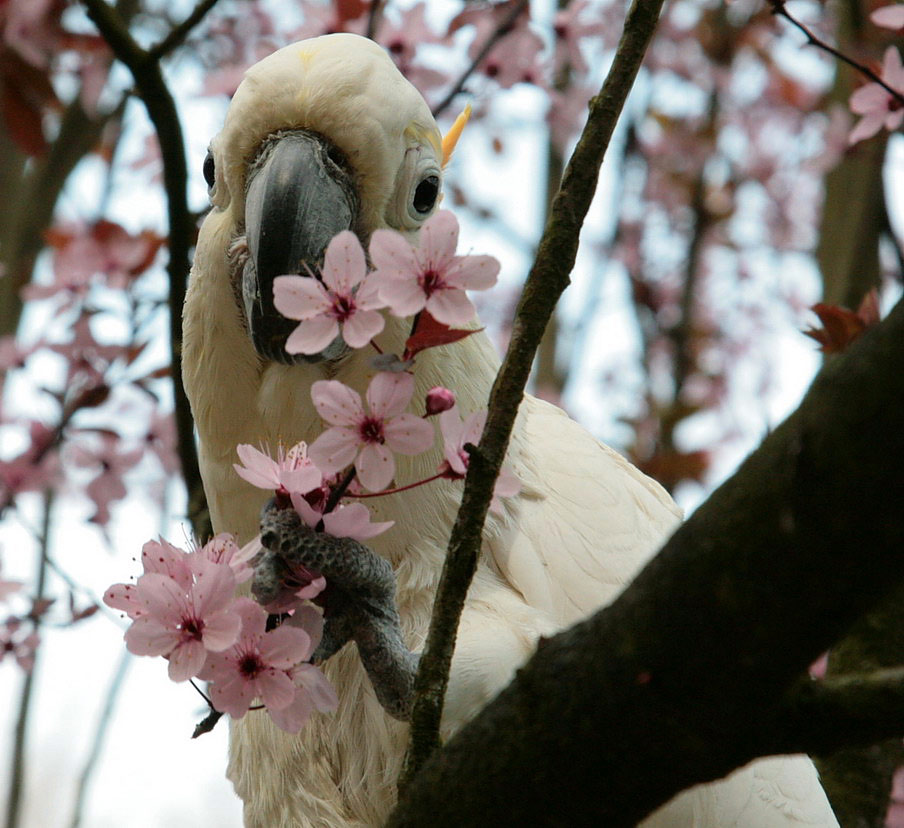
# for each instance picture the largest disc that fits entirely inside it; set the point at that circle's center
(439, 399)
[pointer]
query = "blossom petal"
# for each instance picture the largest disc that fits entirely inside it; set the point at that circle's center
(889, 17)
(318, 688)
(214, 588)
(285, 647)
(186, 660)
(473, 272)
(391, 254)
(439, 240)
(300, 297)
(375, 467)
(451, 307)
(312, 335)
(403, 296)
(336, 403)
(294, 716)
(389, 393)
(149, 637)
(361, 327)
(275, 688)
(233, 697)
(163, 598)
(334, 449)
(221, 631)
(344, 265)
(353, 521)
(409, 434)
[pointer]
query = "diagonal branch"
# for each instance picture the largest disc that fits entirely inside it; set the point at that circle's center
(548, 277)
(161, 108)
(708, 641)
(504, 27)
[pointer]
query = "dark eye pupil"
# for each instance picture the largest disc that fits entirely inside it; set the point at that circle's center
(426, 193)
(209, 170)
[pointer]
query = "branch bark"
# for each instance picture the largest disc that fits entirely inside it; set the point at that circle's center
(154, 92)
(546, 281)
(703, 648)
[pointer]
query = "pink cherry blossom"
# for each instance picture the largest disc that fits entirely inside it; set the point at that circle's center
(346, 521)
(456, 434)
(430, 276)
(19, 644)
(368, 439)
(222, 549)
(184, 624)
(256, 665)
(889, 17)
(346, 296)
(290, 472)
(312, 692)
(876, 104)
(439, 399)
(113, 462)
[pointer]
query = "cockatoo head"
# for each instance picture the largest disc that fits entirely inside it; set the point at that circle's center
(322, 136)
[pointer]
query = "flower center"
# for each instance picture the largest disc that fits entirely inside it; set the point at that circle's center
(192, 628)
(250, 666)
(343, 307)
(430, 281)
(371, 430)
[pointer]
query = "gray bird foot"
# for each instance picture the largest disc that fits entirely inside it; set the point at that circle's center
(358, 602)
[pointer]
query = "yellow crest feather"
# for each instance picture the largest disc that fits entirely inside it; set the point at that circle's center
(450, 139)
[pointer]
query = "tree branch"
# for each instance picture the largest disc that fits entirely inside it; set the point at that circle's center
(845, 711)
(177, 36)
(708, 640)
(495, 36)
(548, 277)
(161, 108)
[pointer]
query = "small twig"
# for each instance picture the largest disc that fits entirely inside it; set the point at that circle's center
(374, 17)
(819, 717)
(161, 108)
(778, 8)
(546, 281)
(17, 770)
(180, 32)
(336, 494)
(100, 733)
(495, 36)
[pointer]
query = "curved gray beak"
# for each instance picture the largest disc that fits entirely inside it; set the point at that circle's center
(297, 199)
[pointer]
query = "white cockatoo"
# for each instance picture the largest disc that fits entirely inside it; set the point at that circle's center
(322, 136)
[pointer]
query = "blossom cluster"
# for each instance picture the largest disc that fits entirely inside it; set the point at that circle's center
(17, 638)
(877, 106)
(183, 607)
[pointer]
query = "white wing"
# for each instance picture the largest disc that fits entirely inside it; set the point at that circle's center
(586, 520)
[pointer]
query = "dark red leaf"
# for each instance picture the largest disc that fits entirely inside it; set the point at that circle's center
(429, 334)
(840, 326)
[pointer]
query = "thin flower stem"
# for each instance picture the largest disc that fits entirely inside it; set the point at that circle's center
(202, 694)
(778, 8)
(17, 771)
(100, 733)
(402, 488)
(376, 347)
(339, 491)
(496, 35)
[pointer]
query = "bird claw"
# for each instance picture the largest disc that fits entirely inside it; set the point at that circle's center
(358, 601)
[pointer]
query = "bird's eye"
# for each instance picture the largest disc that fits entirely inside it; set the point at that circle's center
(425, 194)
(209, 170)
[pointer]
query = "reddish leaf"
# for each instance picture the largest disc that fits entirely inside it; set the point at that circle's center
(840, 326)
(347, 10)
(670, 468)
(429, 333)
(27, 94)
